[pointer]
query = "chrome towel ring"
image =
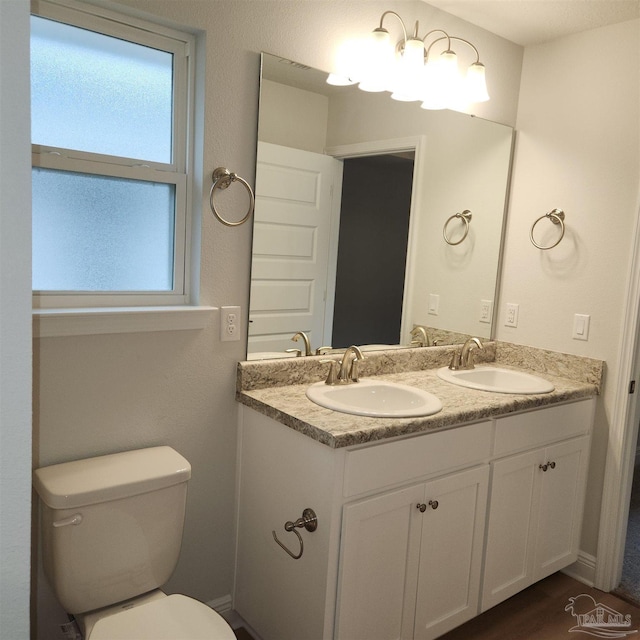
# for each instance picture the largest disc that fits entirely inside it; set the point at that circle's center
(557, 217)
(222, 178)
(465, 216)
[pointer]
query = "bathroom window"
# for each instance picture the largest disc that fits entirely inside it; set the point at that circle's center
(110, 99)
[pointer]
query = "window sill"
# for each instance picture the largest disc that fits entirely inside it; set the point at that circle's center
(48, 323)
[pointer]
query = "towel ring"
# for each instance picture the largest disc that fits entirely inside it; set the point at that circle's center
(557, 217)
(222, 178)
(466, 218)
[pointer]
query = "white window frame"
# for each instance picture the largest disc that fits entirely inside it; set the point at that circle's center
(177, 172)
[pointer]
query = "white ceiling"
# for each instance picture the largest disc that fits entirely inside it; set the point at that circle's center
(527, 22)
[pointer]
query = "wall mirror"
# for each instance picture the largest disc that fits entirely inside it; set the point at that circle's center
(358, 233)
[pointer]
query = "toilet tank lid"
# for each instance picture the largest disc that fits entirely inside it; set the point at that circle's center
(111, 477)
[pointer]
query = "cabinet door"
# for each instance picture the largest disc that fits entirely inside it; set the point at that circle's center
(379, 563)
(561, 505)
(451, 552)
(513, 501)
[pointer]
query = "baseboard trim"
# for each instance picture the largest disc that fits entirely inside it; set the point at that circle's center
(221, 605)
(583, 569)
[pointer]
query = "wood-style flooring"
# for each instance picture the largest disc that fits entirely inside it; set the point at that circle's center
(537, 613)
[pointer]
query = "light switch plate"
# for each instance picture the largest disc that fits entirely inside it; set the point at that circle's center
(581, 326)
(434, 304)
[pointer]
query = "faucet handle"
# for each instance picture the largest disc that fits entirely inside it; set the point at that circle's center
(296, 351)
(320, 351)
(332, 376)
(353, 374)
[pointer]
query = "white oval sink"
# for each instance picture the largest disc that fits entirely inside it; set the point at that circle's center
(375, 398)
(496, 379)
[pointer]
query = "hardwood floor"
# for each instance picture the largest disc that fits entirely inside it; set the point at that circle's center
(537, 613)
(242, 634)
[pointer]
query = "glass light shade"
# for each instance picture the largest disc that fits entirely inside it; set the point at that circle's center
(443, 85)
(345, 64)
(376, 61)
(413, 56)
(447, 66)
(476, 85)
(408, 75)
(338, 80)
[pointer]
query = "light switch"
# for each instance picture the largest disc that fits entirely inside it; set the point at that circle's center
(434, 304)
(581, 326)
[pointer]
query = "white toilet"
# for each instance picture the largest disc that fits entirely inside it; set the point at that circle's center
(111, 535)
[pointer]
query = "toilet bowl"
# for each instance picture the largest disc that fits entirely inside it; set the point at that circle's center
(111, 536)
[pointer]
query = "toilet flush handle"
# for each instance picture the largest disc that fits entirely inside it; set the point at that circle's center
(74, 519)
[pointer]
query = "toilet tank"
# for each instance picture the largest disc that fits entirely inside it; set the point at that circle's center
(111, 525)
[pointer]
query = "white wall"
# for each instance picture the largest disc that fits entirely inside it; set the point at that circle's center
(97, 394)
(15, 321)
(577, 149)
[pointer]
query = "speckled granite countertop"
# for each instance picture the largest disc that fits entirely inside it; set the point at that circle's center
(277, 389)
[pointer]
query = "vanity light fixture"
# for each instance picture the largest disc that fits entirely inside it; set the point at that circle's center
(412, 70)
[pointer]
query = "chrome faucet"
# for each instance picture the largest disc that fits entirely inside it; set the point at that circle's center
(345, 372)
(464, 359)
(420, 337)
(307, 344)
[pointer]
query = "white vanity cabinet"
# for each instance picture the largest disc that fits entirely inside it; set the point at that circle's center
(537, 497)
(411, 559)
(384, 564)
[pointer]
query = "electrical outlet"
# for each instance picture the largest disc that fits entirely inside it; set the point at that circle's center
(512, 315)
(229, 323)
(486, 307)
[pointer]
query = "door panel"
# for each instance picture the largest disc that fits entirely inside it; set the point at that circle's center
(379, 564)
(292, 230)
(508, 564)
(561, 503)
(451, 552)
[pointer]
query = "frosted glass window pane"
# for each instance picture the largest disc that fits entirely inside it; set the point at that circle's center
(96, 233)
(96, 93)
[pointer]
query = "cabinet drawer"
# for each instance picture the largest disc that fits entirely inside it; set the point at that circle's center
(384, 465)
(542, 426)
